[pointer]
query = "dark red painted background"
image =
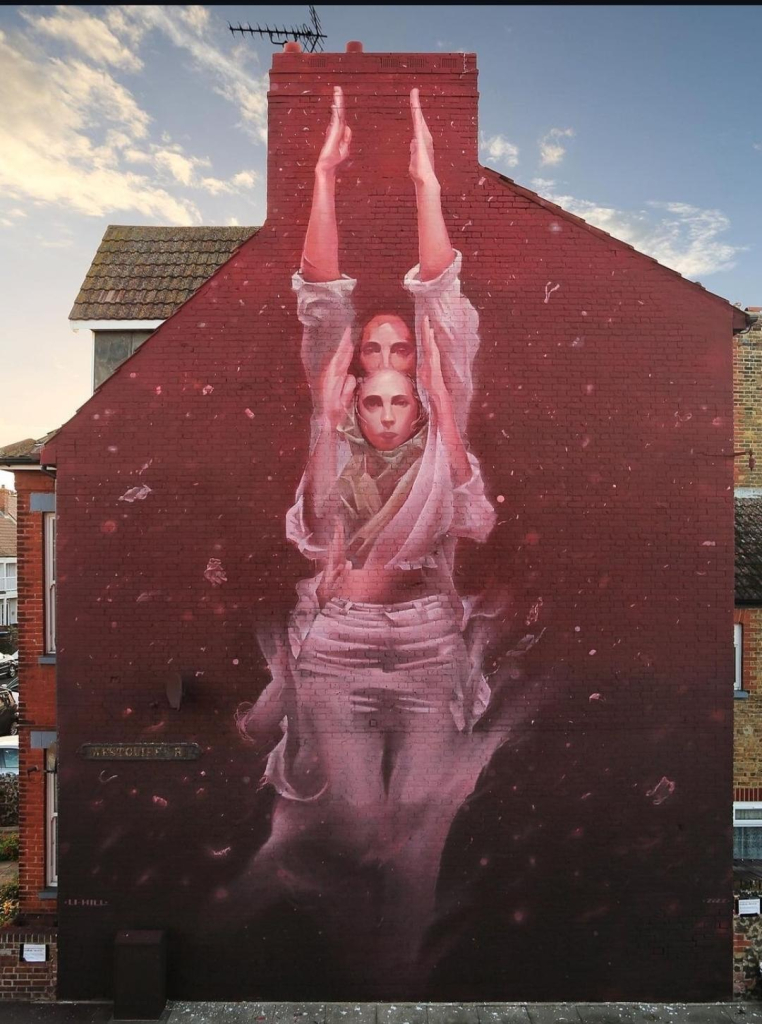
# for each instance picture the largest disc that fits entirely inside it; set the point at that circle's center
(603, 416)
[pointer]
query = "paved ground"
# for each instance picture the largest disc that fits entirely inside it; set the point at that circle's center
(399, 1013)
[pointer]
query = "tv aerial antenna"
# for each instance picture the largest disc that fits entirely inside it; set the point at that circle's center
(310, 36)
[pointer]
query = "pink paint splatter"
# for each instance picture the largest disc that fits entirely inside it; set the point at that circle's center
(207, 390)
(534, 612)
(549, 291)
(136, 493)
(595, 696)
(215, 573)
(249, 413)
(160, 801)
(661, 791)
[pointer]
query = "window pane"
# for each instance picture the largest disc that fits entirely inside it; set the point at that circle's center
(738, 652)
(11, 760)
(747, 843)
(748, 814)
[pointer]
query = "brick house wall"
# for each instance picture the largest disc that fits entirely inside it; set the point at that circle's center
(747, 762)
(747, 374)
(593, 399)
(37, 693)
(747, 414)
(747, 743)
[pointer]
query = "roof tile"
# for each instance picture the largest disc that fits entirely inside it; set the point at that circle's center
(145, 273)
(749, 550)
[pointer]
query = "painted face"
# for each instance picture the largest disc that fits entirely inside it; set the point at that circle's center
(387, 409)
(387, 346)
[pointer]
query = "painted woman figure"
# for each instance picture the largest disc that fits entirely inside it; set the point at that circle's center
(375, 689)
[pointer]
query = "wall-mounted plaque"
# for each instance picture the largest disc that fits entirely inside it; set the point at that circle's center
(140, 751)
(750, 906)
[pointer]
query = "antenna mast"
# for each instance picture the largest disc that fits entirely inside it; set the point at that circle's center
(311, 37)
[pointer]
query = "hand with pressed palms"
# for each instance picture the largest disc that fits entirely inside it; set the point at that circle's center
(337, 137)
(421, 145)
(337, 385)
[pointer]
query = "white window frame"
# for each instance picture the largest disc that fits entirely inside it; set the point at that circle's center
(51, 817)
(738, 651)
(49, 543)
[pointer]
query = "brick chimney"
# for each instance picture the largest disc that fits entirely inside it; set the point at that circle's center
(8, 501)
(376, 89)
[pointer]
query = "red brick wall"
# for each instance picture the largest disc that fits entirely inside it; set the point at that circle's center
(37, 693)
(747, 750)
(747, 371)
(603, 419)
(21, 981)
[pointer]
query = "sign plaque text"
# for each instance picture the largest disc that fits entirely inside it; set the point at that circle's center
(140, 751)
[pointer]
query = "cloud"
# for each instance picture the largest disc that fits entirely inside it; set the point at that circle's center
(63, 127)
(75, 26)
(195, 16)
(543, 184)
(183, 26)
(552, 151)
(72, 135)
(182, 168)
(683, 237)
(757, 146)
(500, 150)
(89, 91)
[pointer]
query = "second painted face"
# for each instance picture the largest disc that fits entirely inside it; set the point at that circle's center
(387, 345)
(387, 409)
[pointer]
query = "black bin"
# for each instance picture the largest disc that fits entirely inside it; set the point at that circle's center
(140, 975)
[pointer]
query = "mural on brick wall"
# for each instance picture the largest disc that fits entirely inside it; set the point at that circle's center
(380, 701)
(429, 574)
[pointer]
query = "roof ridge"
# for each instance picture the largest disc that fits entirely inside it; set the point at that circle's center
(581, 222)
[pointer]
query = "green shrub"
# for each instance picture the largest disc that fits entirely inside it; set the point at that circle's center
(9, 846)
(9, 799)
(9, 902)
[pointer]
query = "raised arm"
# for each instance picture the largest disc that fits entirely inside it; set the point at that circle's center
(320, 257)
(434, 246)
(433, 380)
(320, 476)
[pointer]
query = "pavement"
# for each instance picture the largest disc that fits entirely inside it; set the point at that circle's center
(398, 1013)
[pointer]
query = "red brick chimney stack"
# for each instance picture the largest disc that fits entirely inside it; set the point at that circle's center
(7, 501)
(376, 89)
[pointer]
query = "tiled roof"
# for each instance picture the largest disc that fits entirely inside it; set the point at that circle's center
(145, 273)
(749, 550)
(24, 452)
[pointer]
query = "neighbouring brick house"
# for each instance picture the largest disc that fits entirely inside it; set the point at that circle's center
(123, 298)
(8, 559)
(140, 276)
(602, 375)
(747, 797)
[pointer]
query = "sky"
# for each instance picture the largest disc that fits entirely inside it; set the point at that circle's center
(644, 120)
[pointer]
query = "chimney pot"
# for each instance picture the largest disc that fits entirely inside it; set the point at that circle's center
(292, 47)
(354, 46)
